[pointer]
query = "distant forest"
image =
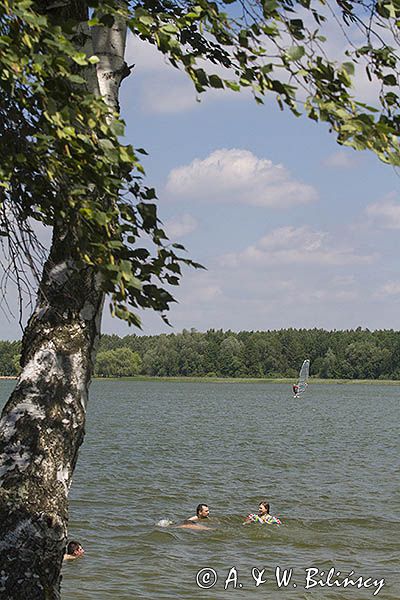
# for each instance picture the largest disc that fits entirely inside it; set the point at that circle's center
(351, 354)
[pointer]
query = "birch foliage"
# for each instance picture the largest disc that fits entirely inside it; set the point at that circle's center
(61, 151)
(63, 161)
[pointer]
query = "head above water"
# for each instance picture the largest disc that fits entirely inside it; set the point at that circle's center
(74, 548)
(263, 507)
(202, 511)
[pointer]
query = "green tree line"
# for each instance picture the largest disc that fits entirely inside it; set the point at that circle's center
(350, 354)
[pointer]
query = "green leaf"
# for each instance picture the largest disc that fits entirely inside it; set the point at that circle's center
(80, 58)
(295, 52)
(389, 80)
(118, 128)
(146, 19)
(215, 81)
(349, 67)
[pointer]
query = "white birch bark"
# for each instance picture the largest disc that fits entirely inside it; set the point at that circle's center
(109, 46)
(42, 425)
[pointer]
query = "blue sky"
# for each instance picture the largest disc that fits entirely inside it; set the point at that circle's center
(295, 231)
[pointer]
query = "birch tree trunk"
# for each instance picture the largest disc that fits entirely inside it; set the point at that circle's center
(42, 425)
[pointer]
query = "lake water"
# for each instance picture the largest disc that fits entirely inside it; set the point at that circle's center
(328, 463)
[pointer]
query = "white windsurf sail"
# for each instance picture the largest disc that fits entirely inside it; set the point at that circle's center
(303, 376)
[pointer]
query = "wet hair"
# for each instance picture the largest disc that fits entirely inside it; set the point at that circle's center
(72, 546)
(265, 503)
(199, 507)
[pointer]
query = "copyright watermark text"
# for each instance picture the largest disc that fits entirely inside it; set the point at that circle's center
(308, 579)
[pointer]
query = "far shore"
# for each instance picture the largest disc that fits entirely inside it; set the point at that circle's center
(287, 380)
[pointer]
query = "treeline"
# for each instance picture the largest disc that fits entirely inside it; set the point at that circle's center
(358, 354)
(9, 358)
(351, 354)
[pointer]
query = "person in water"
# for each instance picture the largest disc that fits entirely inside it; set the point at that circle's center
(295, 389)
(195, 522)
(202, 512)
(263, 516)
(74, 550)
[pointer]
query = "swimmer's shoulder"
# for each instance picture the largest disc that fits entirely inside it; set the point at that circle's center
(191, 525)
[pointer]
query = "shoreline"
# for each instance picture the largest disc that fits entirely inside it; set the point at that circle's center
(258, 380)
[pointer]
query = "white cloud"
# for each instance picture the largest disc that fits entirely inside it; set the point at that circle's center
(164, 89)
(199, 288)
(295, 246)
(257, 296)
(238, 177)
(341, 160)
(207, 293)
(161, 88)
(144, 55)
(167, 94)
(344, 280)
(180, 226)
(392, 288)
(385, 214)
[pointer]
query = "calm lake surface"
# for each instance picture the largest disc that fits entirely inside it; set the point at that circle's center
(328, 463)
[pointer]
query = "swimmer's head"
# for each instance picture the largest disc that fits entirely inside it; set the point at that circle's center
(74, 548)
(202, 511)
(263, 508)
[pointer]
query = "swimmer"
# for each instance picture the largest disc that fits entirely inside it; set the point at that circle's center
(263, 516)
(202, 513)
(74, 550)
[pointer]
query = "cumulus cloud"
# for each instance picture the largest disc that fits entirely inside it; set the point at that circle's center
(385, 214)
(296, 245)
(180, 226)
(239, 177)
